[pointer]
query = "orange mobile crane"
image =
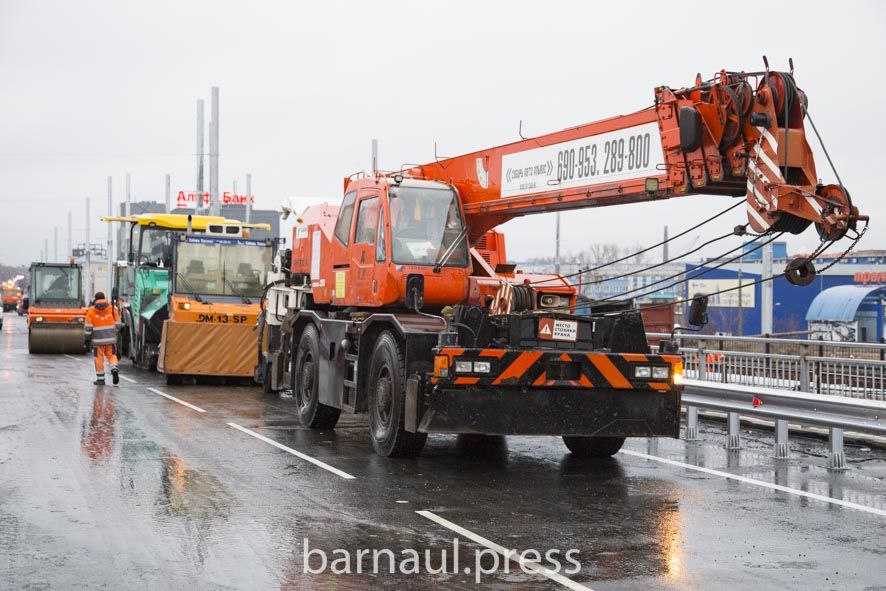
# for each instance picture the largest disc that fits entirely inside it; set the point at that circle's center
(400, 302)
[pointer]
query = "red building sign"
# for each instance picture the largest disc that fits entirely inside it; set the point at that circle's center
(192, 199)
(870, 277)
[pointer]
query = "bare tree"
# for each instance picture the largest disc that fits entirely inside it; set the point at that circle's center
(599, 253)
(639, 257)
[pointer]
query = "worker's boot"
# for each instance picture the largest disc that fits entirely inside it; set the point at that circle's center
(115, 376)
(99, 382)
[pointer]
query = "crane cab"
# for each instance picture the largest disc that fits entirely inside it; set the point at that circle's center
(386, 230)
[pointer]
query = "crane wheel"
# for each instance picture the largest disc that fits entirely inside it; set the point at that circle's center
(306, 384)
(593, 447)
(387, 401)
(266, 377)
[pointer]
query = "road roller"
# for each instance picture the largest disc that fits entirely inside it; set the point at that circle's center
(56, 309)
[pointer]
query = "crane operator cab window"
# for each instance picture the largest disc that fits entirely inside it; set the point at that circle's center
(427, 227)
(155, 247)
(345, 217)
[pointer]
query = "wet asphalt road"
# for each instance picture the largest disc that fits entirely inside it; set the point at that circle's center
(125, 488)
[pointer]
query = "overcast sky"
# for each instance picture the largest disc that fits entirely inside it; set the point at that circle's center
(91, 89)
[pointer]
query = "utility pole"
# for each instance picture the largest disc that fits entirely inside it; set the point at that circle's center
(557, 247)
(214, 208)
(374, 157)
(128, 210)
(233, 189)
(45, 250)
(766, 292)
(70, 246)
(127, 213)
(168, 195)
(248, 197)
(200, 129)
(740, 310)
(55, 244)
(110, 236)
(87, 282)
(664, 253)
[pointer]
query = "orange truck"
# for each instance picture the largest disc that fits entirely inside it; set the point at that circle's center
(56, 309)
(401, 304)
(11, 295)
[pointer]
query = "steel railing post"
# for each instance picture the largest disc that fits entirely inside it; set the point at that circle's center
(702, 362)
(804, 372)
(836, 457)
(733, 438)
(782, 450)
(691, 423)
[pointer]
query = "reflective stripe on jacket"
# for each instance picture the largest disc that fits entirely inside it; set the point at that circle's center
(102, 320)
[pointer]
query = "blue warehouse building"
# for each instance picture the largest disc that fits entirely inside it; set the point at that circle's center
(792, 305)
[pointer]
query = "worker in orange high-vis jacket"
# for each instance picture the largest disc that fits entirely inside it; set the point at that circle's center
(102, 322)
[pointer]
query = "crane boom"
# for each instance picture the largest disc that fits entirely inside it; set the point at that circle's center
(721, 137)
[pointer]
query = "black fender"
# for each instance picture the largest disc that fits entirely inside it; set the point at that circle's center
(418, 333)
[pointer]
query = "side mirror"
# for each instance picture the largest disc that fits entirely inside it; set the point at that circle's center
(130, 257)
(25, 303)
(698, 311)
(415, 291)
(115, 295)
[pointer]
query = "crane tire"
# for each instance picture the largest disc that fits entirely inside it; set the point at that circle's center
(593, 447)
(306, 384)
(386, 393)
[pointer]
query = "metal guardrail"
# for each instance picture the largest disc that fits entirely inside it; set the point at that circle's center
(810, 370)
(834, 412)
(849, 350)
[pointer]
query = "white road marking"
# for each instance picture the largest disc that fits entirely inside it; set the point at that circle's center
(746, 480)
(130, 380)
(298, 454)
(535, 567)
(174, 399)
(401, 501)
(72, 357)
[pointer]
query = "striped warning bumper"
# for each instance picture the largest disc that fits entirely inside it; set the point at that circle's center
(553, 369)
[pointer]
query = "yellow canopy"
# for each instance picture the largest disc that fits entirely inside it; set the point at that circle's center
(178, 221)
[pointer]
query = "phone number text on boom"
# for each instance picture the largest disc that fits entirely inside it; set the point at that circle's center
(615, 156)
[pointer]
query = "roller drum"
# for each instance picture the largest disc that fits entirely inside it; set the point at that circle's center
(57, 340)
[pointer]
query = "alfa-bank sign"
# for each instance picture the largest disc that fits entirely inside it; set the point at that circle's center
(192, 199)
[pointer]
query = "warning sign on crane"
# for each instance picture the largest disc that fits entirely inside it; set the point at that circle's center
(550, 329)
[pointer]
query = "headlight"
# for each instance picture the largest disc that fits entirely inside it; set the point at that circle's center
(38, 319)
(463, 367)
(660, 373)
(642, 371)
(482, 367)
(678, 377)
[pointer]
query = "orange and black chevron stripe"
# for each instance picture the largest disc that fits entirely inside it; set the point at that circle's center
(572, 369)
